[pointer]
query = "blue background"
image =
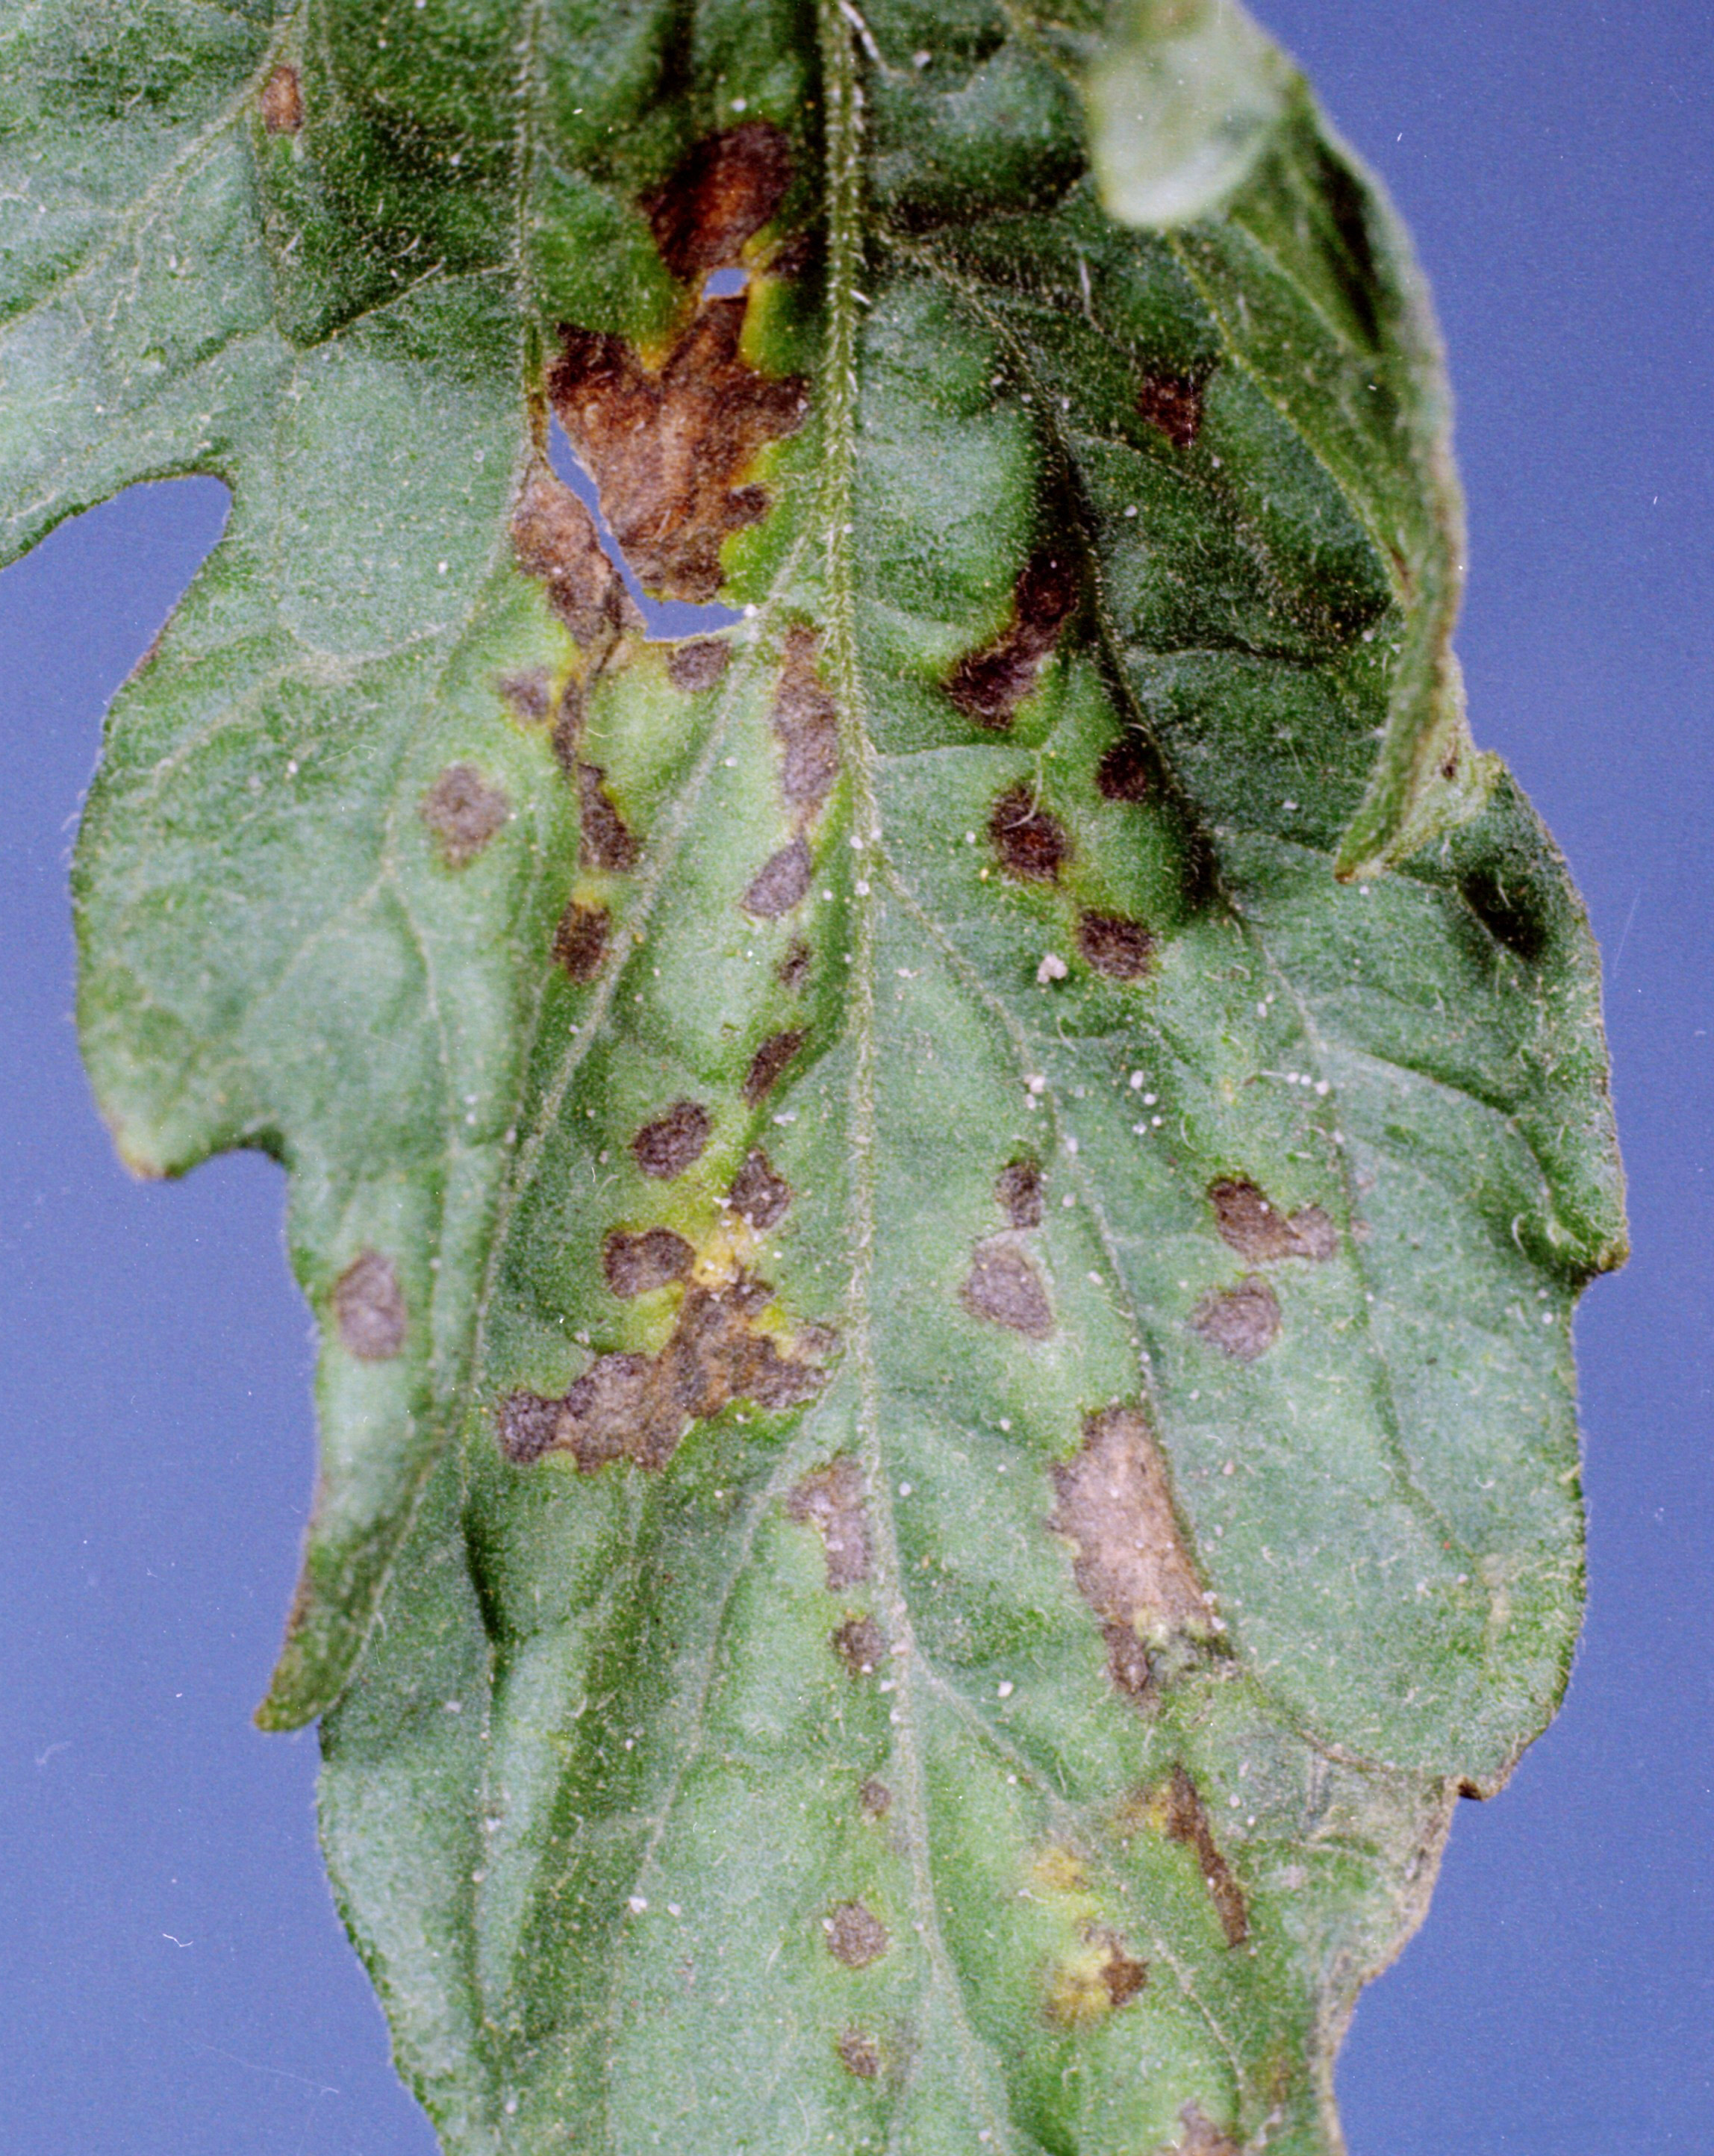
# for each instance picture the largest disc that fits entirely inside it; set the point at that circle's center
(174, 1978)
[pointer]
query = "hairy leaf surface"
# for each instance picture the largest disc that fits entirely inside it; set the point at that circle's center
(944, 1219)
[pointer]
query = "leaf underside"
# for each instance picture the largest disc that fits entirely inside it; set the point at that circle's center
(945, 1221)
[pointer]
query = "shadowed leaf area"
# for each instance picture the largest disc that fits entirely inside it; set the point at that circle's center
(945, 1220)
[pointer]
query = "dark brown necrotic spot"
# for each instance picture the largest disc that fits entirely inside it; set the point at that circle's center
(283, 102)
(527, 1423)
(874, 1799)
(1031, 844)
(639, 1407)
(369, 1309)
(607, 843)
(672, 1141)
(988, 685)
(856, 1935)
(1252, 1225)
(757, 1194)
(637, 1265)
(780, 883)
(529, 693)
(769, 1062)
(795, 968)
(1123, 773)
(464, 812)
(1243, 1321)
(1172, 404)
(1202, 2137)
(1005, 1288)
(721, 195)
(698, 665)
(580, 941)
(1111, 1502)
(669, 448)
(1122, 1975)
(1123, 950)
(859, 2055)
(1187, 1821)
(554, 539)
(806, 722)
(861, 1645)
(831, 1501)
(1019, 1191)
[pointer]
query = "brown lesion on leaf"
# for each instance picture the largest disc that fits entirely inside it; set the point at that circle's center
(1252, 1224)
(769, 1063)
(369, 1308)
(1112, 1503)
(831, 1501)
(855, 1934)
(529, 693)
(780, 883)
(674, 1142)
(634, 1265)
(608, 841)
(1172, 404)
(858, 2054)
(874, 1799)
(282, 100)
(757, 1194)
(581, 939)
(1184, 1818)
(719, 197)
(1201, 2136)
(1243, 1322)
(861, 1645)
(989, 685)
(1126, 771)
(698, 665)
(1003, 1287)
(795, 968)
(669, 447)
(1019, 1191)
(1032, 843)
(554, 540)
(1120, 949)
(806, 723)
(464, 812)
(1089, 1983)
(639, 1407)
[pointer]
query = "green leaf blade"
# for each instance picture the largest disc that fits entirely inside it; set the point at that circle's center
(947, 1406)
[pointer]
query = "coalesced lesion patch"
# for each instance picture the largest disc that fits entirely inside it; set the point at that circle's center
(554, 539)
(1112, 1503)
(669, 447)
(638, 1408)
(1249, 1223)
(988, 685)
(719, 197)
